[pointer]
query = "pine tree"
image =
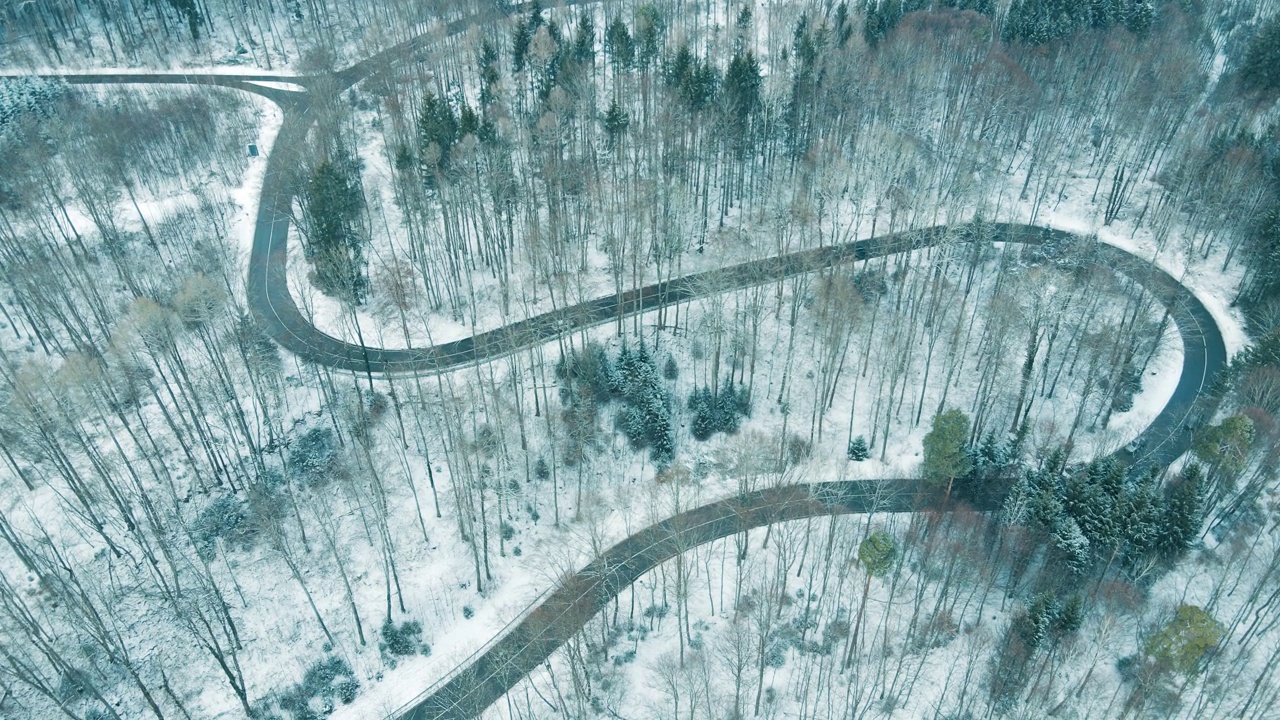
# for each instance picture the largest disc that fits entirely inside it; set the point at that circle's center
(1225, 447)
(1260, 69)
(741, 88)
(489, 74)
(727, 410)
(521, 39)
(332, 204)
(945, 455)
(584, 39)
(615, 121)
(437, 125)
(669, 369)
(702, 424)
(650, 28)
(1183, 513)
(618, 44)
(1034, 626)
(1141, 520)
(1185, 641)
(1070, 617)
(985, 7)
(1072, 543)
(1094, 500)
(877, 553)
(858, 450)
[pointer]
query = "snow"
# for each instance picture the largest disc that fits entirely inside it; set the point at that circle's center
(621, 497)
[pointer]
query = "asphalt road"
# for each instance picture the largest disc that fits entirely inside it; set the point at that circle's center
(489, 674)
(486, 676)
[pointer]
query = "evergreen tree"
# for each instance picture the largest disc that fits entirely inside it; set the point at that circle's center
(489, 73)
(631, 422)
(728, 412)
(1094, 499)
(332, 203)
(1034, 626)
(985, 7)
(1225, 447)
(858, 450)
(521, 39)
(650, 28)
(877, 553)
(882, 16)
(584, 39)
(1036, 22)
(619, 45)
(1183, 512)
(741, 89)
(843, 26)
(1142, 516)
(669, 369)
(1260, 70)
(702, 424)
(1185, 641)
(1047, 620)
(615, 121)
(438, 126)
(1072, 543)
(945, 454)
(191, 13)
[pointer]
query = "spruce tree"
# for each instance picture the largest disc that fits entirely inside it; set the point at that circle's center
(858, 450)
(618, 44)
(334, 244)
(437, 124)
(742, 82)
(1183, 513)
(615, 122)
(1072, 543)
(1260, 70)
(702, 424)
(521, 39)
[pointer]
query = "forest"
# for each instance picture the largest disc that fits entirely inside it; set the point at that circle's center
(804, 359)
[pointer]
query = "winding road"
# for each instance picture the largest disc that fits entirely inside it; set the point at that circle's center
(488, 674)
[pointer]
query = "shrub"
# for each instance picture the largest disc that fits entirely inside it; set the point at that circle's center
(402, 639)
(221, 518)
(323, 681)
(312, 456)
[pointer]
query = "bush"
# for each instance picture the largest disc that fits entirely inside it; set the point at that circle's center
(323, 681)
(223, 518)
(798, 450)
(346, 691)
(402, 639)
(312, 456)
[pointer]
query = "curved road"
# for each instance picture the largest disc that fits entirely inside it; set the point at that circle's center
(493, 670)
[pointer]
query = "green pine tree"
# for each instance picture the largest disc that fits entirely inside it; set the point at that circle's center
(858, 450)
(945, 449)
(1260, 70)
